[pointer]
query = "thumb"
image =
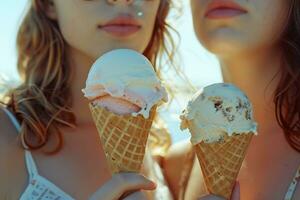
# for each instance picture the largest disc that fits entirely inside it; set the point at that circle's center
(136, 196)
(236, 192)
(123, 183)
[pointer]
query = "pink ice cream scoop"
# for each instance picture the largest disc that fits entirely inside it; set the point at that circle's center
(117, 105)
(124, 81)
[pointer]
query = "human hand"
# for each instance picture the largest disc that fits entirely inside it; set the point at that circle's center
(234, 196)
(139, 195)
(122, 184)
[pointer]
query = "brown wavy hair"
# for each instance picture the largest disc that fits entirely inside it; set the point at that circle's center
(287, 94)
(42, 103)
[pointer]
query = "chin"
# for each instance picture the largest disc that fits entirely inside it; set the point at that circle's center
(96, 53)
(222, 48)
(224, 45)
(128, 45)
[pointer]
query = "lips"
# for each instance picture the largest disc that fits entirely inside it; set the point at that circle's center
(121, 26)
(217, 9)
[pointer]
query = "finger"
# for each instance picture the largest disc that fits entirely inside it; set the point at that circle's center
(121, 183)
(126, 182)
(211, 197)
(136, 196)
(236, 192)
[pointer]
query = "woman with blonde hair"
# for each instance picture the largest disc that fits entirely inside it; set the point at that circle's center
(258, 45)
(57, 43)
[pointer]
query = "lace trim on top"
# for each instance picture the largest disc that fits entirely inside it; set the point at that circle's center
(39, 188)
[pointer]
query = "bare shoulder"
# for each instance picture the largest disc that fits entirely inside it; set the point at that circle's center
(8, 132)
(8, 151)
(178, 159)
(176, 155)
(177, 152)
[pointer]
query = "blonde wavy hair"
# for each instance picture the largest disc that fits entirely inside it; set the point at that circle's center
(42, 103)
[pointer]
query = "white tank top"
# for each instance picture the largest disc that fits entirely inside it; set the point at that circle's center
(40, 188)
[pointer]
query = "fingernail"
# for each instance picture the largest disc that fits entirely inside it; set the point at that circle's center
(153, 184)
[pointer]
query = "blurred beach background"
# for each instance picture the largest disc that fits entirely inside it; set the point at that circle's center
(200, 66)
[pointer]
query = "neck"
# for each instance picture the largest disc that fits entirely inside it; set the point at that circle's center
(81, 65)
(254, 74)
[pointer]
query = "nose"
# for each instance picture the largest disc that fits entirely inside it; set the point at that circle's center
(120, 1)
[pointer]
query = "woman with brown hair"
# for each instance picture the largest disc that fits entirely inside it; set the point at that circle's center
(258, 45)
(57, 43)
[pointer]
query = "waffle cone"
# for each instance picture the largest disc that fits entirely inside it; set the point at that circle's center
(123, 138)
(221, 161)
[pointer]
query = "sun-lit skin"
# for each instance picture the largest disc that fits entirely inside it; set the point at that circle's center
(79, 21)
(83, 161)
(247, 46)
(259, 27)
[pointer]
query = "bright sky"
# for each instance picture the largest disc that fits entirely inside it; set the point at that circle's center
(200, 66)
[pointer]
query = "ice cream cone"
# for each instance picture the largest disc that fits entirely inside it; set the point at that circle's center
(123, 138)
(221, 161)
